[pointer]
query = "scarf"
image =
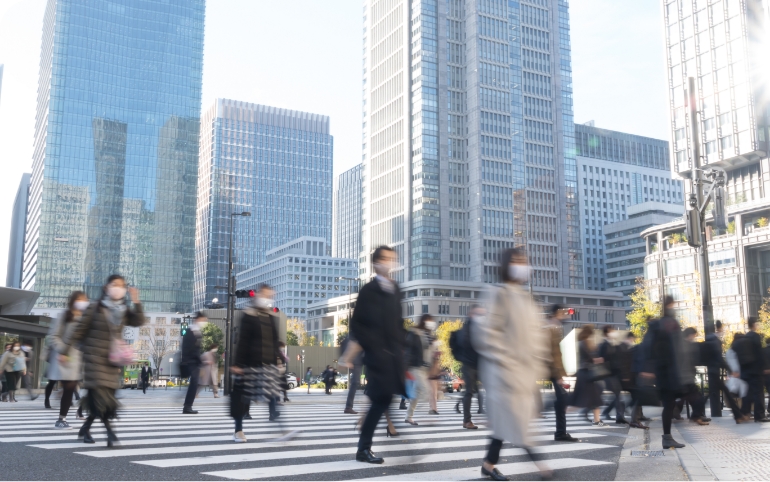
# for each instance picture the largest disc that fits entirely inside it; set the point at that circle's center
(117, 309)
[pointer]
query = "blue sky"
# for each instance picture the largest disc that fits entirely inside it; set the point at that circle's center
(306, 55)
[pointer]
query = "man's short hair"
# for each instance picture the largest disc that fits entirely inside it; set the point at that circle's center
(198, 315)
(555, 308)
(718, 324)
(379, 253)
(606, 329)
(690, 331)
(264, 286)
(752, 321)
(668, 300)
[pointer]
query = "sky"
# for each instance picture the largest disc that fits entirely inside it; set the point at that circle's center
(306, 55)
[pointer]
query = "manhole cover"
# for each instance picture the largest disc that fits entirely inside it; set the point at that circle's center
(647, 453)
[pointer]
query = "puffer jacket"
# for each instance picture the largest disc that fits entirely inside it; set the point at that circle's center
(94, 333)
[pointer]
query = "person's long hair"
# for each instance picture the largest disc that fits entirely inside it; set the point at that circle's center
(586, 334)
(424, 319)
(74, 296)
(505, 260)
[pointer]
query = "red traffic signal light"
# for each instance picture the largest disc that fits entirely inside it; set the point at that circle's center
(275, 309)
(252, 293)
(570, 311)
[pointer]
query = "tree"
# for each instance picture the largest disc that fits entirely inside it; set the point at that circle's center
(291, 338)
(297, 328)
(644, 309)
(341, 335)
(158, 348)
(213, 335)
(443, 332)
(763, 317)
(311, 341)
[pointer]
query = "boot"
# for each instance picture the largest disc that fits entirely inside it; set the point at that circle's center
(84, 433)
(12, 395)
(670, 443)
(403, 405)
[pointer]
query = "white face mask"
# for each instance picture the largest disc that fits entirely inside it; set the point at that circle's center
(382, 269)
(430, 325)
(263, 303)
(116, 292)
(518, 272)
(81, 305)
(25, 349)
(16, 348)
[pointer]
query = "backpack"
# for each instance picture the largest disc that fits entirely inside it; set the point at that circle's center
(744, 351)
(455, 343)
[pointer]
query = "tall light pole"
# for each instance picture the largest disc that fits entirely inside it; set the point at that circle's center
(230, 302)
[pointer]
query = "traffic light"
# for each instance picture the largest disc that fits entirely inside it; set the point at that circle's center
(245, 293)
(184, 328)
(275, 309)
(570, 311)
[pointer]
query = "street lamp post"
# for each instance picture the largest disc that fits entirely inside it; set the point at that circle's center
(230, 304)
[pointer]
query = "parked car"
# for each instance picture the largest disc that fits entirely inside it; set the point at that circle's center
(291, 380)
(451, 383)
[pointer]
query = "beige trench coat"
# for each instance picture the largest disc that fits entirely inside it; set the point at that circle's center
(209, 369)
(513, 356)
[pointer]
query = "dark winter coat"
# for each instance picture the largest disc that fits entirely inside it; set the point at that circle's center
(663, 347)
(257, 339)
(94, 332)
(757, 367)
(378, 326)
(191, 353)
(712, 354)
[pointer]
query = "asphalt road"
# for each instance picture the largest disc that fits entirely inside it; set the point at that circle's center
(160, 443)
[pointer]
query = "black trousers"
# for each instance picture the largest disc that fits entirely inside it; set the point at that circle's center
(613, 385)
(493, 451)
(144, 386)
(376, 410)
(669, 401)
(560, 407)
(693, 396)
(353, 382)
(471, 380)
(192, 390)
(755, 395)
(715, 381)
(66, 398)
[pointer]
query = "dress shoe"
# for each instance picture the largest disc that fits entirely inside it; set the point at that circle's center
(565, 438)
(369, 457)
(493, 474)
(470, 426)
(402, 406)
(622, 421)
(189, 410)
(351, 411)
(638, 425)
(762, 420)
(645, 419)
(699, 421)
(274, 416)
(705, 419)
(670, 443)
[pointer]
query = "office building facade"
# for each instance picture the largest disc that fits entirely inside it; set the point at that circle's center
(624, 248)
(115, 160)
(721, 45)
(274, 163)
(469, 139)
(301, 272)
(348, 206)
(617, 170)
(18, 226)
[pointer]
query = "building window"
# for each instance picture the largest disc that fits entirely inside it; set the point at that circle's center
(424, 309)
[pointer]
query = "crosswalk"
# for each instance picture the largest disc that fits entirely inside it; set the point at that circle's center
(311, 439)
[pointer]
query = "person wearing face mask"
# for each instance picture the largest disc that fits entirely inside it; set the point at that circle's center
(14, 364)
(67, 368)
(419, 352)
(378, 327)
(256, 357)
(513, 356)
(209, 369)
(190, 365)
(715, 363)
(98, 333)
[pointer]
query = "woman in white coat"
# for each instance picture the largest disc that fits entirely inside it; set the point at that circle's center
(513, 353)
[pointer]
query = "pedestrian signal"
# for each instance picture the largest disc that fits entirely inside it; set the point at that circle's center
(245, 293)
(184, 328)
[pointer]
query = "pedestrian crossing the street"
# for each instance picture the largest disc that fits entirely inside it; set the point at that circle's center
(311, 442)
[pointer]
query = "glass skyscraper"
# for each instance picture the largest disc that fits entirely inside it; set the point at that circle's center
(348, 204)
(116, 150)
(274, 163)
(469, 138)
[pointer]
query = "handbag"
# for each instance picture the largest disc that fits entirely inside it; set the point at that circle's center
(598, 372)
(121, 353)
(411, 386)
(646, 394)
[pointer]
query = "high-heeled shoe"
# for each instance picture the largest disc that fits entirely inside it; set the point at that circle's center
(410, 422)
(388, 433)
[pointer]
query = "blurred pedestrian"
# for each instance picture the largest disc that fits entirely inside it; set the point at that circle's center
(256, 358)
(513, 356)
(556, 317)
(190, 366)
(752, 370)
(14, 364)
(353, 358)
(663, 347)
(766, 371)
(309, 378)
(419, 357)
(209, 376)
(715, 363)
(65, 364)
(328, 377)
(462, 349)
(691, 394)
(627, 362)
(608, 352)
(591, 369)
(145, 375)
(4, 382)
(99, 334)
(29, 355)
(378, 327)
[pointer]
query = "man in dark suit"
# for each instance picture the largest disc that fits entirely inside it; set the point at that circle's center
(145, 376)
(715, 362)
(190, 365)
(752, 372)
(378, 326)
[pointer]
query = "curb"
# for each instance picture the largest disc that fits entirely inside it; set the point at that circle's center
(692, 463)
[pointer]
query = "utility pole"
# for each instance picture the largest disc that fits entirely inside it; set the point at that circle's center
(695, 219)
(230, 303)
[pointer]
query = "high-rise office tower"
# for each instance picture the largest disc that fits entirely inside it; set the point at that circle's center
(115, 160)
(1, 81)
(723, 45)
(18, 225)
(616, 171)
(274, 163)
(469, 138)
(348, 204)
